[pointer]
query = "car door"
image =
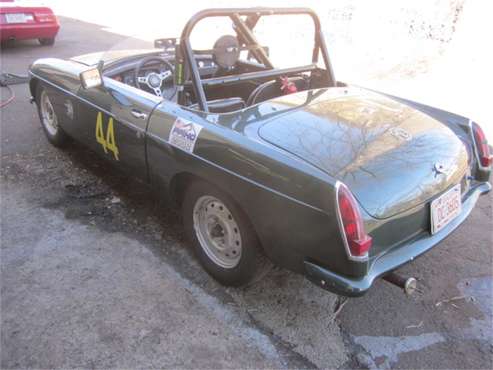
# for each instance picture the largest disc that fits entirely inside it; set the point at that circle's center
(113, 121)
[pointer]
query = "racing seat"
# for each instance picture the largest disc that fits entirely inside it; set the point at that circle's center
(222, 105)
(225, 53)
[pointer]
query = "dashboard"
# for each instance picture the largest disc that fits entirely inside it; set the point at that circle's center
(125, 71)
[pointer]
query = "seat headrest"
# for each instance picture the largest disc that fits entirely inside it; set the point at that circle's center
(226, 51)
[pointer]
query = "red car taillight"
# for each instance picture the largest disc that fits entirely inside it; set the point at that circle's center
(46, 17)
(351, 222)
(481, 145)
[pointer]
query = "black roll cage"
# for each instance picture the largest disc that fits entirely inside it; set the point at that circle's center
(187, 67)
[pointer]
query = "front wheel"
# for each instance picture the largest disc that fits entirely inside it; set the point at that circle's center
(49, 120)
(222, 236)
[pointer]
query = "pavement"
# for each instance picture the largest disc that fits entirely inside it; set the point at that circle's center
(96, 274)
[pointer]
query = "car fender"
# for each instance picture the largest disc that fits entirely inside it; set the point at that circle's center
(274, 190)
(61, 79)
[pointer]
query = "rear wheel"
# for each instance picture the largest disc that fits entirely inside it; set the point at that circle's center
(47, 41)
(222, 236)
(49, 120)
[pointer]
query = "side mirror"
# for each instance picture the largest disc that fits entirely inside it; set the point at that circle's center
(92, 77)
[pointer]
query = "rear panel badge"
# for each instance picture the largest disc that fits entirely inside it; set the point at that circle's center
(440, 168)
(184, 134)
(400, 133)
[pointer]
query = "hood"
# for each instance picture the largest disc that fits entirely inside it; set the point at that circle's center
(383, 150)
(110, 56)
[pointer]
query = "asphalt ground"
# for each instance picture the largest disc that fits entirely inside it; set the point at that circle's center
(96, 273)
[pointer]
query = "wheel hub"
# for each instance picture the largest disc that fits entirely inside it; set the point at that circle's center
(217, 231)
(154, 80)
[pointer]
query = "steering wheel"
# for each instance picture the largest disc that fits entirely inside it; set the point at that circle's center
(156, 79)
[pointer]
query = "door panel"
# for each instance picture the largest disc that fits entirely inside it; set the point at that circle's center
(113, 121)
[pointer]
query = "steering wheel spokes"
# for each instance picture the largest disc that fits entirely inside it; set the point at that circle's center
(142, 80)
(164, 75)
(157, 91)
(154, 81)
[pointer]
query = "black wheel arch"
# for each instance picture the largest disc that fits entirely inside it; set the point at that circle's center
(180, 182)
(178, 186)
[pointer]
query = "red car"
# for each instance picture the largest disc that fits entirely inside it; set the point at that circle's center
(19, 22)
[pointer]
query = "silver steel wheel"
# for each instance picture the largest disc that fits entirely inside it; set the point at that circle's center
(217, 231)
(48, 116)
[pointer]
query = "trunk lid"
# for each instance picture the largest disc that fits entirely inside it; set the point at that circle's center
(391, 156)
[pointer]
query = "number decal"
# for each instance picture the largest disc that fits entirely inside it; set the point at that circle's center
(99, 132)
(110, 139)
(107, 142)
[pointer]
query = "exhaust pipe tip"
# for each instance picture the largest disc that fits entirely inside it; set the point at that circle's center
(410, 285)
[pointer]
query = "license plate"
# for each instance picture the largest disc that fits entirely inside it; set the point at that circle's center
(445, 208)
(16, 18)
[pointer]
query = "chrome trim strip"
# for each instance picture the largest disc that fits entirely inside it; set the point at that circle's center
(124, 122)
(363, 258)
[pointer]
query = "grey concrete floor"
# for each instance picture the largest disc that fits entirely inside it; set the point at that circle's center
(96, 273)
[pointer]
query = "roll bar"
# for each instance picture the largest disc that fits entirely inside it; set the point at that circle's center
(224, 80)
(186, 56)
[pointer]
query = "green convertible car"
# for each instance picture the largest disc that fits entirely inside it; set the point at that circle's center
(336, 182)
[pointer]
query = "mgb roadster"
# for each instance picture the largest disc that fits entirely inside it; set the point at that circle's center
(337, 182)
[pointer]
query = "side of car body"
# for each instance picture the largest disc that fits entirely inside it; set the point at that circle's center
(288, 192)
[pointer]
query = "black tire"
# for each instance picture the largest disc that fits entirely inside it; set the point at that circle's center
(58, 138)
(6, 44)
(47, 41)
(252, 261)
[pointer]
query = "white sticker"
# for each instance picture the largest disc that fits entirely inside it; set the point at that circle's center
(184, 134)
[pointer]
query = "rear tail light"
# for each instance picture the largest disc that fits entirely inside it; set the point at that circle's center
(357, 242)
(46, 17)
(482, 147)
